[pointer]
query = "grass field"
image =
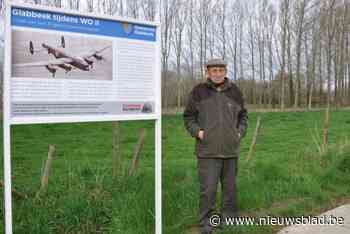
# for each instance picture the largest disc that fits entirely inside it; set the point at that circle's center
(286, 177)
(82, 196)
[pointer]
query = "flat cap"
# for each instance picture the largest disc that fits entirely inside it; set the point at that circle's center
(216, 63)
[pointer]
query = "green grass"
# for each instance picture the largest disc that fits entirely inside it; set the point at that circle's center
(82, 196)
(286, 176)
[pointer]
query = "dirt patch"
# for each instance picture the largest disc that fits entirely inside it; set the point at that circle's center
(194, 230)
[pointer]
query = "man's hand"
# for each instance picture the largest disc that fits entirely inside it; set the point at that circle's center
(201, 134)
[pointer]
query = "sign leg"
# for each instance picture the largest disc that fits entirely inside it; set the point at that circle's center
(158, 176)
(7, 178)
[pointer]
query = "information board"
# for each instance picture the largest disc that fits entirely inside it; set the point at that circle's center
(67, 66)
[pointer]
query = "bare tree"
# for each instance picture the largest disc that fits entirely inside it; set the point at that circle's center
(241, 30)
(167, 18)
(343, 31)
(149, 9)
(90, 5)
(74, 4)
(179, 20)
(284, 17)
(270, 33)
(190, 39)
(252, 46)
(311, 87)
(233, 35)
(133, 8)
(300, 8)
(203, 22)
(262, 28)
(223, 28)
(329, 24)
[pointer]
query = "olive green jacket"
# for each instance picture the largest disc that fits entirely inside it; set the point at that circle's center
(221, 114)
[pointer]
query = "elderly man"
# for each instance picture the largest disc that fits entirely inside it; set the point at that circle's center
(216, 117)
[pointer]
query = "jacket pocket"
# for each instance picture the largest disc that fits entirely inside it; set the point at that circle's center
(209, 143)
(231, 141)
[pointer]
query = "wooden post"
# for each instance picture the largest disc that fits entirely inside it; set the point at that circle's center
(115, 148)
(137, 151)
(326, 130)
(253, 144)
(47, 169)
(317, 140)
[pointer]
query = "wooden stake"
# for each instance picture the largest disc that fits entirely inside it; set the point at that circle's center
(115, 148)
(137, 151)
(253, 144)
(47, 169)
(326, 130)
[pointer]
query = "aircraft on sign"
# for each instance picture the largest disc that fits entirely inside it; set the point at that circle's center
(64, 59)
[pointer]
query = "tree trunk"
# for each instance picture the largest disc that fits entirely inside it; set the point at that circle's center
(115, 148)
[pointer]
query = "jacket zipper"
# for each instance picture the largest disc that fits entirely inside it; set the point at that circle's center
(219, 97)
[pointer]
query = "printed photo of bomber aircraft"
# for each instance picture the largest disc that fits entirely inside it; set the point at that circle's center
(63, 58)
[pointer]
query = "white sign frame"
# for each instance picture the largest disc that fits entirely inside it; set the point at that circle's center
(7, 121)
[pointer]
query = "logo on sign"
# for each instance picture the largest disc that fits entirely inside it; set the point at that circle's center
(132, 107)
(127, 28)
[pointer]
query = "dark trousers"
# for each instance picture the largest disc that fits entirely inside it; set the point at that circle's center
(210, 172)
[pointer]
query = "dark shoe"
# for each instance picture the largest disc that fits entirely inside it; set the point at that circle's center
(206, 230)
